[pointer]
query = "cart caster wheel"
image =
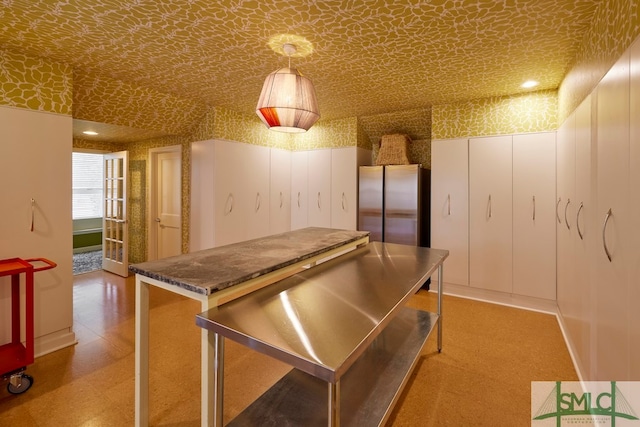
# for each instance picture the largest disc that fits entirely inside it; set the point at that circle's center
(25, 384)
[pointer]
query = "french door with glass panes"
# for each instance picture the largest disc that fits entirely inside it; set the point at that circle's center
(115, 226)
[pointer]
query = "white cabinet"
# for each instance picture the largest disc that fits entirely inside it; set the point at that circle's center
(280, 200)
(299, 189)
(634, 228)
(613, 210)
(534, 237)
(319, 188)
(344, 185)
(35, 218)
(450, 205)
(229, 194)
(490, 213)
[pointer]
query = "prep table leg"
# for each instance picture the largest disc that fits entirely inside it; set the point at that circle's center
(440, 308)
(217, 384)
(334, 404)
(142, 353)
(210, 413)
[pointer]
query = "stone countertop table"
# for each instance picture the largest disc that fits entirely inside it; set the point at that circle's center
(210, 270)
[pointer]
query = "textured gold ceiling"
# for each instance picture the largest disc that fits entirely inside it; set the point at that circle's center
(370, 57)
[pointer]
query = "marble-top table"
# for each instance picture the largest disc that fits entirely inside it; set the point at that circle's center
(218, 275)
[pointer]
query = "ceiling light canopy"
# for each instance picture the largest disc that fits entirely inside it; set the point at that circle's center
(288, 101)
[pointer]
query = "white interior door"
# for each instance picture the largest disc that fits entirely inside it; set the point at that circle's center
(168, 203)
(115, 238)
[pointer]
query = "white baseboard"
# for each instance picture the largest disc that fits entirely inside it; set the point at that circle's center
(495, 297)
(54, 341)
(570, 347)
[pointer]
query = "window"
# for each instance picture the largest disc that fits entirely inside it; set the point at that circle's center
(87, 185)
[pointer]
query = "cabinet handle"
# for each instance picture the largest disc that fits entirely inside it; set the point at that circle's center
(566, 221)
(298, 199)
(281, 200)
(604, 229)
(258, 201)
(557, 214)
(534, 208)
(229, 204)
(489, 205)
(343, 202)
(578, 221)
(318, 200)
(33, 209)
(449, 204)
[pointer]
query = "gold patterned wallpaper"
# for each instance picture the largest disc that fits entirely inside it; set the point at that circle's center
(49, 85)
(35, 83)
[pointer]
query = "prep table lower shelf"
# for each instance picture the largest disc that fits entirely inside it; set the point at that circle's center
(368, 390)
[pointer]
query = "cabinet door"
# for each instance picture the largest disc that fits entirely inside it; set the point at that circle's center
(634, 199)
(344, 196)
(299, 189)
(255, 171)
(230, 203)
(450, 206)
(534, 229)
(612, 340)
(490, 213)
(202, 220)
(319, 164)
(280, 191)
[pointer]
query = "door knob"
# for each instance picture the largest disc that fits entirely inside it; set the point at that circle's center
(157, 219)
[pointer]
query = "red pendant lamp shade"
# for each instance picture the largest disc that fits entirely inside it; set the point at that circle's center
(288, 102)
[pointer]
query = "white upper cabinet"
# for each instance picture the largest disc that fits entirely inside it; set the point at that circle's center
(299, 189)
(534, 237)
(319, 185)
(490, 213)
(450, 206)
(280, 201)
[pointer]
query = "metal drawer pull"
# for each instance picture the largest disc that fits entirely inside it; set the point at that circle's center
(229, 204)
(566, 221)
(557, 206)
(448, 204)
(578, 221)
(534, 208)
(33, 208)
(604, 229)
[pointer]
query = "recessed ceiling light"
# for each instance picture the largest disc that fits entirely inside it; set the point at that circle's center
(529, 84)
(90, 132)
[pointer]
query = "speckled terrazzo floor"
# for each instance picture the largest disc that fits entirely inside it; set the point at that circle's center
(482, 378)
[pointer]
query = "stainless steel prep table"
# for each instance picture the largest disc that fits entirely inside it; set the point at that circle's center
(341, 323)
(218, 275)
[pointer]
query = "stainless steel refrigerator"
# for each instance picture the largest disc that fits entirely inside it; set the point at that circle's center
(393, 203)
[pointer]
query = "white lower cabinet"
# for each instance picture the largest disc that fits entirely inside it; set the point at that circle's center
(490, 213)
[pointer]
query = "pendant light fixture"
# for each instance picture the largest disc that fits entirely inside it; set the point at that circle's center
(288, 101)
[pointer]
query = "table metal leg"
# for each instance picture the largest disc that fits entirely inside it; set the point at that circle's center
(440, 290)
(334, 404)
(218, 379)
(142, 354)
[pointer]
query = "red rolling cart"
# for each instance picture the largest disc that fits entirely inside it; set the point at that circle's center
(15, 356)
